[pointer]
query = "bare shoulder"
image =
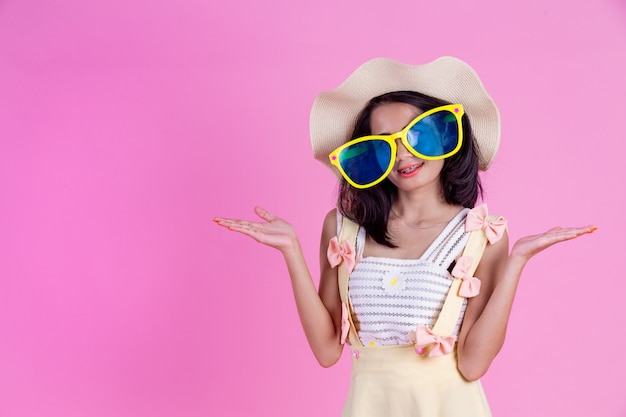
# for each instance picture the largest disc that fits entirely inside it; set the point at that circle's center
(329, 229)
(328, 287)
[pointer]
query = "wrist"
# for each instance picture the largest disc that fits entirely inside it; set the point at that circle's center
(517, 262)
(291, 248)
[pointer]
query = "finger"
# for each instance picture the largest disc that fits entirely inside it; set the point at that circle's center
(560, 235)
(590, 229)
(221, 221)
(579, 231)
(234, 222)
(264, 214)
(243, 229)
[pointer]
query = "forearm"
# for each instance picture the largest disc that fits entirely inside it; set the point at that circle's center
(316, 320)
(483, 337)
(320, 313)
(487, 334)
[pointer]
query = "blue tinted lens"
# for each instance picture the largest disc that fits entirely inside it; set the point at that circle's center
(435, 135)
(365, 162)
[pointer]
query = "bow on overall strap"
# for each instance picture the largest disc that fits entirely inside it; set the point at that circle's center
(343, 256)
(341, 252)
(478, 219)
(470, 285)
(423, 338)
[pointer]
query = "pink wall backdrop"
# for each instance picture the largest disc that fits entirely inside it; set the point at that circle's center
(125, 126)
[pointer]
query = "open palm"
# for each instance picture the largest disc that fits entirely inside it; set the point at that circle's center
(273, 231)
(529, 246)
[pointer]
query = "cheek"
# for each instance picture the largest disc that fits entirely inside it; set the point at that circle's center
(436, 166)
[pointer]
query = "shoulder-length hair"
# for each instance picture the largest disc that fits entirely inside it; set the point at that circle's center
(460, 183)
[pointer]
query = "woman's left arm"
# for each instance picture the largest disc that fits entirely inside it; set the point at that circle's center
(484, 325)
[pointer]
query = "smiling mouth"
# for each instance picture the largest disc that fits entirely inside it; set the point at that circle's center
(410, 169)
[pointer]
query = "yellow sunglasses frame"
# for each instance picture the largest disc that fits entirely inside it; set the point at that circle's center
(456, 109)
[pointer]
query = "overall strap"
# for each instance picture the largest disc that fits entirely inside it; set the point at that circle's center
(453, 303)
(349, 230)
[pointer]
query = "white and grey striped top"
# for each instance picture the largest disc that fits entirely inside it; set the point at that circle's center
(390, 297)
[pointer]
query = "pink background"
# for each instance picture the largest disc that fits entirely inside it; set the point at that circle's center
(125, 126)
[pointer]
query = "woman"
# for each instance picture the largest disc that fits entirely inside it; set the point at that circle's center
(415, 277)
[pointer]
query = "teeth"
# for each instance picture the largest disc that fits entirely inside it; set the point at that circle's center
(410, 169)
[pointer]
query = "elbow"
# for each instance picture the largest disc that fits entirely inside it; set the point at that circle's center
(472, 371)
(474, 363)
(327, 363)
(328, 359)
(472, 375)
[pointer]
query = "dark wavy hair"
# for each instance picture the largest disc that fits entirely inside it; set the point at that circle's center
(459, 178)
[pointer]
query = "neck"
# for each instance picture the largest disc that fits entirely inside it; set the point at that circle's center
(423, 209)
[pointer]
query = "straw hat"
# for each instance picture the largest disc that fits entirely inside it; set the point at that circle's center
(334, 112)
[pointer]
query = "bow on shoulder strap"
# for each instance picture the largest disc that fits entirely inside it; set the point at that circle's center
(345, 251)
(478, 219)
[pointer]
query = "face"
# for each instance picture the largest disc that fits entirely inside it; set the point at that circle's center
(409, 172)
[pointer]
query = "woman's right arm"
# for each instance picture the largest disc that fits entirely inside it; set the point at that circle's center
(320, 312)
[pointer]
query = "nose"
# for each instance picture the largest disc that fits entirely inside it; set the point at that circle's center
(402, 152)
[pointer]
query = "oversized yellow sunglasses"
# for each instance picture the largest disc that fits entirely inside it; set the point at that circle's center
(434, 134)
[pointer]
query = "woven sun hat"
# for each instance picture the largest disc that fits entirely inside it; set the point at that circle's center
(334, 112)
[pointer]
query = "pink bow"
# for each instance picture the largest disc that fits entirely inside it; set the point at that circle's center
(345, 323)
(470, 287)
(337, 253)
(477, 219)
(424, 337)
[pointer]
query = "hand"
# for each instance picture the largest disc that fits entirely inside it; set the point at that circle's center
(527, 247)
(274, 231)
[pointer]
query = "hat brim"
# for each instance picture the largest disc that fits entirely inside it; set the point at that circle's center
(334, 112)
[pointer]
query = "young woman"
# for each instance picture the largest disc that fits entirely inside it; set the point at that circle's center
(416, 277)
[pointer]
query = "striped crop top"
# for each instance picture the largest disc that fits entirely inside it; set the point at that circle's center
(390, 296)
